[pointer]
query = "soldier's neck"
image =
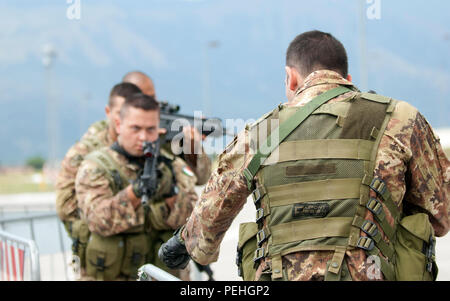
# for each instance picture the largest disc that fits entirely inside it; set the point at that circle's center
(132, 159)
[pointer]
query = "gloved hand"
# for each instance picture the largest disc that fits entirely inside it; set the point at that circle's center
(173, 252)
(138, 187)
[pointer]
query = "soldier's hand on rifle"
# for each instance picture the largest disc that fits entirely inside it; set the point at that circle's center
(138, 187)
(173, 252)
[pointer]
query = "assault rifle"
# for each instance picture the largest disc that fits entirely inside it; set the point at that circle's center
(149, 177)
(173, 122)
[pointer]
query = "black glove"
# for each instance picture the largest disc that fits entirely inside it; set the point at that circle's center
(173, 252)
(138, 187)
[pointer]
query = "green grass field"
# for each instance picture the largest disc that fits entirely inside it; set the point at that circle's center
(19, 182)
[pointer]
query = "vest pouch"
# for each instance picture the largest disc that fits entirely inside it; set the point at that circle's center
(136, 250)
(415, 259)
(80, 236)
(104, 256)
(247, 246)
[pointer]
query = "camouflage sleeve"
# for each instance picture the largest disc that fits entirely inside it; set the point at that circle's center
(222, 199)
(201, 165)
(105, 213)
(66, 203)
(186, 198)
(412, 163)
(428, 175)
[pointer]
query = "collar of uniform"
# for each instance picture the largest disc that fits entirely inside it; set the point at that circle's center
(133, 163)
(315, 84)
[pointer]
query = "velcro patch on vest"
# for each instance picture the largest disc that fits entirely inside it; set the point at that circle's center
(310, 210)
(311, 169)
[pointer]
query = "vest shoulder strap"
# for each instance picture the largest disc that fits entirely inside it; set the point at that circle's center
(113, 170)
(286, 128)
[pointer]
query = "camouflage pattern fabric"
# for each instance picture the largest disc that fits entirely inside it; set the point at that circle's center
(96, 137)
(410, 160)
(107, 213)
(200, 165)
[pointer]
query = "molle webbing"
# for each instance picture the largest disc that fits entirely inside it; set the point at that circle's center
(313, 193)
(288, 126)
(357, 149)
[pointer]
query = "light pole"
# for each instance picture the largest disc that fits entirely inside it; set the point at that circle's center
(363, 46)
(49, 55)
(207, 77)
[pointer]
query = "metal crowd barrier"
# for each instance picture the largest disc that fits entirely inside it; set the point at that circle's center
(14, 251)
(149, 272)
(34, 253)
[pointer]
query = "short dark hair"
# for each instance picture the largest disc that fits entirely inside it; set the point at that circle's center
(316, 50)
(140, 101)
(123, 90)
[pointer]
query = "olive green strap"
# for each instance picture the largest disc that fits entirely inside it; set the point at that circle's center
(311, 229)
(277, 267)
(356, 149)
(286, 128)
(333, 272)
(372, 230)
(104, 159)
(330, 189)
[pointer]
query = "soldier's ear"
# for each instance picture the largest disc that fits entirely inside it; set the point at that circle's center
(117, 123)
(349, 78)
(292, 78)
(107, 111)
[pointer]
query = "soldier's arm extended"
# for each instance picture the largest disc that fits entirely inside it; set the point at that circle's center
(411, 161)
(222, 199)
(106, 214)
(429, 175)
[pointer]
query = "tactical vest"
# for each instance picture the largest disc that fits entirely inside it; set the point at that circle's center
(119, 256)
(312, 192)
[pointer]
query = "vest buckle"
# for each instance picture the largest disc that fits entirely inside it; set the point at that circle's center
(374, 206)
(369, 228)
(259, 214)
(365, 243)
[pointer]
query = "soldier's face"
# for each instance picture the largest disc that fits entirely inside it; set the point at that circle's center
(135, 127)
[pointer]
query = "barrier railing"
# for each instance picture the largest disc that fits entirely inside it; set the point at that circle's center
(14, 251)
(29, 219)
(149, 272)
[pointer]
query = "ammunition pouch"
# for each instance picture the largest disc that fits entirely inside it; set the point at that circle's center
(415, 249)
(118, 255)
(136, 249)
(104, 256)
(246, 248)
(79, 232)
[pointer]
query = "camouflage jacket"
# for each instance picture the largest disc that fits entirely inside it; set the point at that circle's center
(96, 137)
(108, 212)
(410, 160)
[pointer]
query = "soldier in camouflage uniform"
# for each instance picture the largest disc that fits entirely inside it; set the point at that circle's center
(200, 163)
(109, 195)
(100, 134)
(409, 162)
